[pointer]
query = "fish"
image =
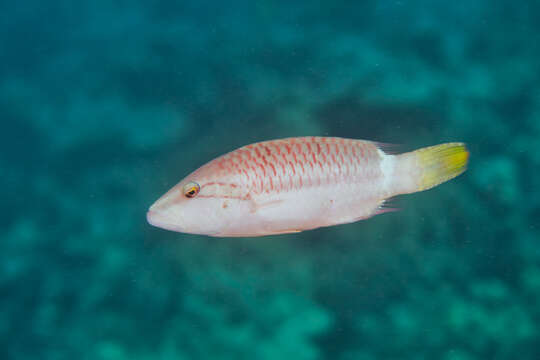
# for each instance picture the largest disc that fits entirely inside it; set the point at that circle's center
(294, 184)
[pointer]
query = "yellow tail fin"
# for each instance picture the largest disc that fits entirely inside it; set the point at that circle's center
(440, 163)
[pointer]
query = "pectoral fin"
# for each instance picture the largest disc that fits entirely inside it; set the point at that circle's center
(255, 206)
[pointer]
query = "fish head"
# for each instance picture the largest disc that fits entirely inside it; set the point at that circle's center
(207, 202)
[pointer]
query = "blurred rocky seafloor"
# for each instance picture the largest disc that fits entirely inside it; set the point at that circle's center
(106, 105)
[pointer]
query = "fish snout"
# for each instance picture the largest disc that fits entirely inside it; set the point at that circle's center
(162, 220)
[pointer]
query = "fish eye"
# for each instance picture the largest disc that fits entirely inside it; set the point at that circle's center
(191, 189)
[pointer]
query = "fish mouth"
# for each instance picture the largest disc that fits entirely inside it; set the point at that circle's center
(161, 220)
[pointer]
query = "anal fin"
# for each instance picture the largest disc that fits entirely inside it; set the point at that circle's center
(287, 231)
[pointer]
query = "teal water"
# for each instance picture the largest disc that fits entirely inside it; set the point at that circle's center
(105, 105)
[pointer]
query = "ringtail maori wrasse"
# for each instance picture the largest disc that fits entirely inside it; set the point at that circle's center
(295, 184)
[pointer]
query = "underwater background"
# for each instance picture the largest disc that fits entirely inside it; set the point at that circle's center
(105, 105)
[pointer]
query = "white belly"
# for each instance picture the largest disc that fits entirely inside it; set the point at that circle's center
(308, 209)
